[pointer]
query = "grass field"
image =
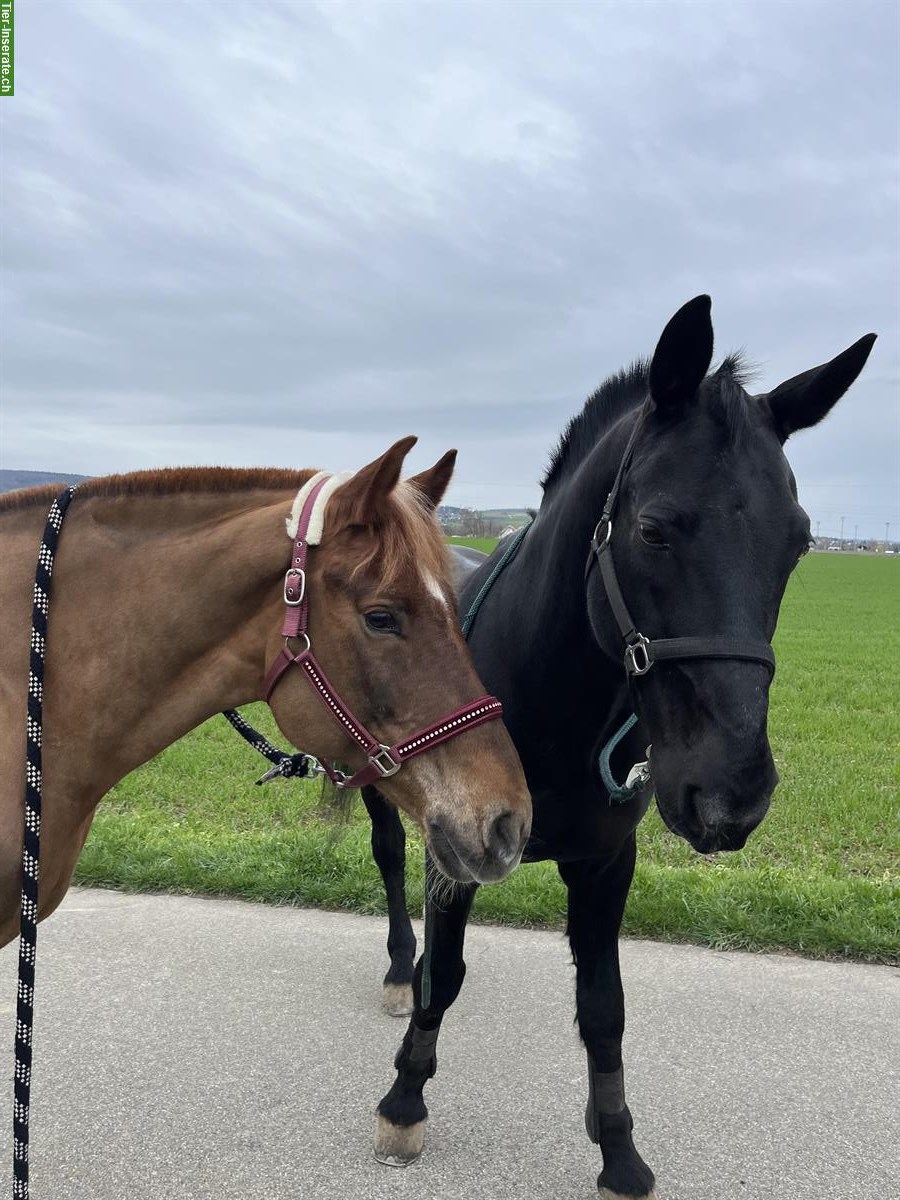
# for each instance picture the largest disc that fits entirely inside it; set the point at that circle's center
(821, 876)
(485, 544)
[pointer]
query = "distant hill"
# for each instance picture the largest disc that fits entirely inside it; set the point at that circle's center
(482, 522)
(11, 481)
(449, 512)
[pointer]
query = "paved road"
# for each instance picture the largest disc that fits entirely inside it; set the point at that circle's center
(210, 1050)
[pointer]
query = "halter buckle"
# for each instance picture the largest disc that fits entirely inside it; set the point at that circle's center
(637, 656)
(385, 761)
(291, 587)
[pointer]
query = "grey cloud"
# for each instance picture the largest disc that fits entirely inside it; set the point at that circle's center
(341, 223)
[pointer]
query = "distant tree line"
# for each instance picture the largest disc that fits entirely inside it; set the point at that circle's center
(479, 523)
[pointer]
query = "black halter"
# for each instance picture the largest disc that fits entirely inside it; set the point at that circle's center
(640, 651)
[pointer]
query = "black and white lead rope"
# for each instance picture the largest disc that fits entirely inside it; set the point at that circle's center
(288, 766)
(31, 850)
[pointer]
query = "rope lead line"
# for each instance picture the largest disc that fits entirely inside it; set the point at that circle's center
(31, 849)
(288, 766)
(619, 794)
(506, 557)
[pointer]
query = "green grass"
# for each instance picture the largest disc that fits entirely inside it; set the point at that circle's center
(821, 876)
(486, 544)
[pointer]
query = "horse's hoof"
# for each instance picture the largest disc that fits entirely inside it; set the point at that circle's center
(398, 1145)
(606, 1194)
(397, 999)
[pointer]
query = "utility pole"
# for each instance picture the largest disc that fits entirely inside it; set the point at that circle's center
(818, 523)
(842, 533)
(855, 536)
(887, 526)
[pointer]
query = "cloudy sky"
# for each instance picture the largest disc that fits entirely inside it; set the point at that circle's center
(288, 233)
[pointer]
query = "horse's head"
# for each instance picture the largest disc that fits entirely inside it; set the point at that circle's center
(382, 622)
(706, 533)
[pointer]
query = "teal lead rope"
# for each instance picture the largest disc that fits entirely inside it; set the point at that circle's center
(502, 563)
(637, 776)
(618, 793)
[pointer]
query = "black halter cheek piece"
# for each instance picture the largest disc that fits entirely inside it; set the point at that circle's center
(640, 651)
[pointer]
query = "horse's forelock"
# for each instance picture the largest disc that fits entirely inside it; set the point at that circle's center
(726, 391)
(408, 540)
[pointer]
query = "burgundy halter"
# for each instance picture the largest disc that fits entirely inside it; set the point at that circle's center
(382, 760)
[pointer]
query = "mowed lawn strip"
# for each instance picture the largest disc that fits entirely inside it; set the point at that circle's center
(821, 876)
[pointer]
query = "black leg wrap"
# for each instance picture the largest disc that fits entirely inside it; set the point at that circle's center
(419, 1051)
(606, 1097)
(609, 1124)
(416, 1063)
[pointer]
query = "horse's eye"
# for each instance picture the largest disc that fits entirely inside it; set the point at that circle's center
(651, 535)
(380, 621)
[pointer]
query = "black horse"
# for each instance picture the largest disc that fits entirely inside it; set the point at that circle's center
(698, 538)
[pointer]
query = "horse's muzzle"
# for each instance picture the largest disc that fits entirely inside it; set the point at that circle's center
(499, 850)
(720, 818)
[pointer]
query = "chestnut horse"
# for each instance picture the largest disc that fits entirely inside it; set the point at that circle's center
(167, 608)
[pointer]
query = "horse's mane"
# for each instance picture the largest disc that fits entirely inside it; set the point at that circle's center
(166, 481)
(624, 391)
(407, 537)
(611, 400)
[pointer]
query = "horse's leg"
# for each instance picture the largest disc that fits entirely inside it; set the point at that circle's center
(389, 852)
(400, 1132)
(597, 893)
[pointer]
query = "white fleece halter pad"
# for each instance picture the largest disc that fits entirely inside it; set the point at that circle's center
(317, 520)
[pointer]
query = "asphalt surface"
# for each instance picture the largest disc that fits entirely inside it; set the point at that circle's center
(212, 1050)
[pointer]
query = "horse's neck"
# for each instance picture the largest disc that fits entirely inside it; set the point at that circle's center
(552, 652)
(159, 618)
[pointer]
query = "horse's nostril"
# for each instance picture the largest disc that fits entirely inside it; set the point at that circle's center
(504, 836)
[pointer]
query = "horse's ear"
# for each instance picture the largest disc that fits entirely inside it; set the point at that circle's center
(804, 400)
(682, 357)
(362, 498)
(434, 482)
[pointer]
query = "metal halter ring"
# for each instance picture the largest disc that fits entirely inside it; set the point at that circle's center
(607, 521)
(637, 656)
(305, 637)
(289, 587)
